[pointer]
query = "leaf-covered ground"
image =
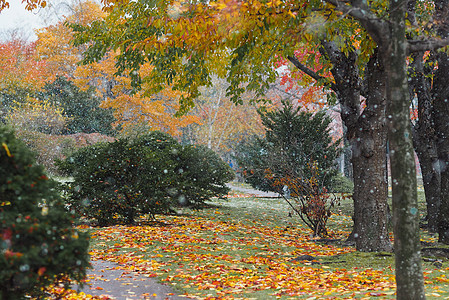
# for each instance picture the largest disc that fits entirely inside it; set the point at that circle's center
(249, 248)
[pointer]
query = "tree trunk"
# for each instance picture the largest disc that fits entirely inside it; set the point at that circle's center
(428, 160)
(424, 138)
(409, 278)
(366, 134)
(441, 111)
(369, 153)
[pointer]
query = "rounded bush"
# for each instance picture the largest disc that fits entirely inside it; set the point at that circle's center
(38, 244)
(122, 180)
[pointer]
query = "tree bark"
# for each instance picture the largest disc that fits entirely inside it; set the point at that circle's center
(425, 140)
(441, 111)
(409, 278)
(369, 153)
(366, 133)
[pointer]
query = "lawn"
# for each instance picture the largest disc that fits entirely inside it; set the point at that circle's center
(246, 247)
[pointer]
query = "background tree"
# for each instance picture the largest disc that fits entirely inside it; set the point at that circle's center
(21, 75)
(223, 124)
(427, 81)
(53, 43)
(80, 108)
(30, 4)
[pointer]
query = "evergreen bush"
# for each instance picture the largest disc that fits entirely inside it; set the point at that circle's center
(120, 181)
(38, 244)
(201, 174)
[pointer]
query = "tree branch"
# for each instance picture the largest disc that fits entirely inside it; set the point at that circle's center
(424, 45)
(377, 28)
(309, 72)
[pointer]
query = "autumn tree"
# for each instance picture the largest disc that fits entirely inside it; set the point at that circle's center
(21, 74)
(29, 4)
(54, 42)
(223, 125)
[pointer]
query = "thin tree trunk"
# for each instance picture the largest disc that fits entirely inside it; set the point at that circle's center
(409, 278)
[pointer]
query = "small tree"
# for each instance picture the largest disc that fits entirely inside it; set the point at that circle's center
(38, 244)
(296, 159)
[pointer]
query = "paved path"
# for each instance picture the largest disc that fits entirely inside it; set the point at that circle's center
(109, 279)
(254, 192)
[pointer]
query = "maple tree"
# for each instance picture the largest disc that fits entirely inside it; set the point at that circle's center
(153, 110)
(53, 45)
(21, 74)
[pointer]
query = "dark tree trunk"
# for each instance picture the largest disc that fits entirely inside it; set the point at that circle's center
(428, 160)
(366, 134)
(409, 278)
(424, 139)
(369, 155)
(441, 111)
(441, 114)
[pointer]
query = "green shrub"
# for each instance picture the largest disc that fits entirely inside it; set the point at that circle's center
(119, 181)
(38, 244)
(202, 174)
(341, 184)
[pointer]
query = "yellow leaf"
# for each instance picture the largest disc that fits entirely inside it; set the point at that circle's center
(6, 149)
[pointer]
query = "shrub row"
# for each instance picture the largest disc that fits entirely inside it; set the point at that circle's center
(122, 180)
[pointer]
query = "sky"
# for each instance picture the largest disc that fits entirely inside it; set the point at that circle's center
(16, 17)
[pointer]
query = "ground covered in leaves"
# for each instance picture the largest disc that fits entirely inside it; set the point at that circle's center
(248, 247)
